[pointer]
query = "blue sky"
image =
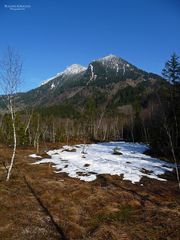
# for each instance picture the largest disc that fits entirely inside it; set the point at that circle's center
(56, 33)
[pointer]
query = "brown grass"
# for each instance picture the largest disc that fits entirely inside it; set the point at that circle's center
(107, 208)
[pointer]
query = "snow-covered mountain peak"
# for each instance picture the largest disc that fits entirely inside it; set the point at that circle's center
(113, 62)
(71, 70)
(109, 58)
(74, 69)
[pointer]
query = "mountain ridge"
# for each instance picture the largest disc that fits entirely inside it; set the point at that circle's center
(108, 60)
(102, 78)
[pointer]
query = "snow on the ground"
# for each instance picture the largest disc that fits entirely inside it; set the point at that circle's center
(86, 161)
(35, 156)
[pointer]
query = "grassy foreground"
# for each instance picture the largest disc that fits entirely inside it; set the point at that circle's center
(39, 204)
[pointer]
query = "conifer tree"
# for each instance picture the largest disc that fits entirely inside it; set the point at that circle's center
(171, 71)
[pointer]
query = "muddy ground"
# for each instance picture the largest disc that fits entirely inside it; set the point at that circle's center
(39, 204)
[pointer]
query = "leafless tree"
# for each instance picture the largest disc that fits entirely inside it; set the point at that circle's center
(37, 134)
(132, 125)
(10, 77)
(29, 115)
(169, 134)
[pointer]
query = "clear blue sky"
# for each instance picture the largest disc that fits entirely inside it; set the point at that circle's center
(53, 34)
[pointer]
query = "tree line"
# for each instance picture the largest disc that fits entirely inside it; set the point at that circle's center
(156, 124)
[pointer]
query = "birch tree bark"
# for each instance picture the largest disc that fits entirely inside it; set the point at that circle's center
(10, 79)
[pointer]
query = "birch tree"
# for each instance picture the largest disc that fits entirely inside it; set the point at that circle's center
(10, 78)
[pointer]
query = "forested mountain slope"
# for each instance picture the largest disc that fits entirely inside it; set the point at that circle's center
(106, 78)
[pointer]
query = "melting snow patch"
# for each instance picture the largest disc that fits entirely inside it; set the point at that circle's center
(99, 159)
(34, 156)
(52, 85)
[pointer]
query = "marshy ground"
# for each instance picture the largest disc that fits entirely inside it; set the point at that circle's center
(39, 204)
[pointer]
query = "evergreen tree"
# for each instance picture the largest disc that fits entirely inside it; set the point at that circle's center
(171, 120)
(171, 71)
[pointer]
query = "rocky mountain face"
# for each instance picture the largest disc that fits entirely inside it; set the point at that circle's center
(107, 77)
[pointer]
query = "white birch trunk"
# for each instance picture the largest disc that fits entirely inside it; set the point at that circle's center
(15, 143)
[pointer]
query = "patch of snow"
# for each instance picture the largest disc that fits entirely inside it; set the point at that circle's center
(113, 62)
(108, 57)
(92, 74)
(99, 159)
(95, 76)
(71, 70)
(34, 156)
(52, 85)
(117, 68)
(124, 69)
(110, 60)
(52, 78)
(48, 80)
(74, 69)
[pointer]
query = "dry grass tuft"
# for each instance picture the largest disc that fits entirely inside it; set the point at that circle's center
(107, 208)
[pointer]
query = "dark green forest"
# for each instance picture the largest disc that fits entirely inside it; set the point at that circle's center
(148, 112)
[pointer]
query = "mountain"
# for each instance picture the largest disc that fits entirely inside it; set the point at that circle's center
(105, 78)
(69, 71)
